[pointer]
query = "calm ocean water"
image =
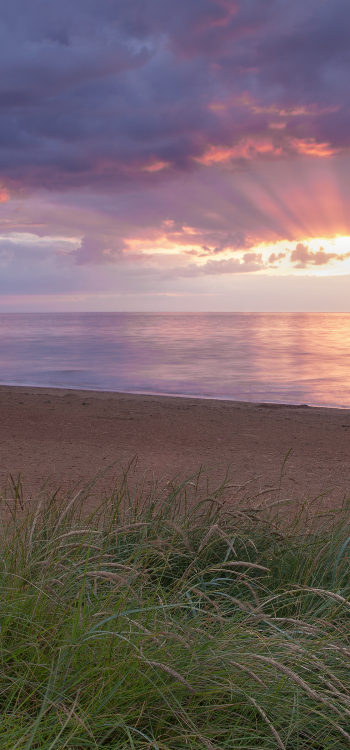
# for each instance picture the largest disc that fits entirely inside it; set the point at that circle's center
(286, 358)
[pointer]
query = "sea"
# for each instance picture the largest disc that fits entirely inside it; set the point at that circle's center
(291, 358)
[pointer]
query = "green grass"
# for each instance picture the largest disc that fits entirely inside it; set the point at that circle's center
(172, 619)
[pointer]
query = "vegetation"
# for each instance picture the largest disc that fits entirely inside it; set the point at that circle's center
(173, 619)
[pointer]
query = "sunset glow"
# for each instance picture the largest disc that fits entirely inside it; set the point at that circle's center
(174, 153)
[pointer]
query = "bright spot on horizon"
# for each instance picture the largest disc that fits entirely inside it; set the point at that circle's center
(318, 255)
(172, 151)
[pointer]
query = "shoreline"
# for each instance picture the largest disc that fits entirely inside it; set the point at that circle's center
(197, 397)
(72, 433)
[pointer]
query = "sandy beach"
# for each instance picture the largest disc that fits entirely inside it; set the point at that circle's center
(70, 435)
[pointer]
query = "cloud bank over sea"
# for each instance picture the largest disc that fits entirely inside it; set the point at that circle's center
(159, 155)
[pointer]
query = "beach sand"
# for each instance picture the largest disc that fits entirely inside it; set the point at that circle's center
(70, 435)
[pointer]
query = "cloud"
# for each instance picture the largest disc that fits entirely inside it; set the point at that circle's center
(148, 139)
(250, 148)
(103, 95)
(218, 242)
(99, 248)
(276, 257)
(250, 263)
(4, 195)
(201, 215)
(304, 257)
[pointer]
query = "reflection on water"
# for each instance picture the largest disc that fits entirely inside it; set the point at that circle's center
(284, 357)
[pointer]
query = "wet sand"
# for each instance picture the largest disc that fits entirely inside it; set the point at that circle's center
(73, 434)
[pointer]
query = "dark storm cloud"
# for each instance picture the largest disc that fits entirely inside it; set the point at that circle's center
(104, 93)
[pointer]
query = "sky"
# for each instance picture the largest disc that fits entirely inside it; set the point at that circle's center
(174, 156)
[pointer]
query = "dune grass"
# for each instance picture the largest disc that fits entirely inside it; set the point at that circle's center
(173, 619)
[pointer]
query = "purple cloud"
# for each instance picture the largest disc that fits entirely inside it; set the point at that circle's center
(99, 248)
(148, 145)
(106, 95)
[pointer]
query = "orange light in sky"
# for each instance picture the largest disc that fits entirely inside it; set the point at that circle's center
(155, 166)
(4, 196)
(319, 256)
(249, 148)
(309, 147)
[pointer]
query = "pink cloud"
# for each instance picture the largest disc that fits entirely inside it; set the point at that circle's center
(303, 257)
(309, 147)
(4, 195)
(250, 263)
(276, 257)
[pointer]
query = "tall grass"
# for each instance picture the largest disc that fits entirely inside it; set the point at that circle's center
(172, 619)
